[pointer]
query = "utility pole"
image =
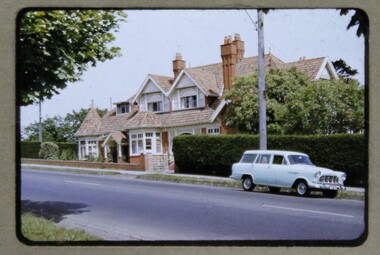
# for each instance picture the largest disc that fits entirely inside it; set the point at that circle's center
(262, 102)
(39, 124)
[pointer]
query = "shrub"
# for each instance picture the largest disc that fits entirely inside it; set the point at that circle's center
(49, 150)
(214, 155)
(68, 154)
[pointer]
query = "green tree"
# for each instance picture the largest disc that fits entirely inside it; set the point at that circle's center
(57, 128)
(55, 47)
(242, 111)
(297, 105)
(325, 107)
(344, 71)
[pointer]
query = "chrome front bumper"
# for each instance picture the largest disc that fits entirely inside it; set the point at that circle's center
(327, 186)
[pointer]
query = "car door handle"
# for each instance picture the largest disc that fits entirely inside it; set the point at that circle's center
(292, 172)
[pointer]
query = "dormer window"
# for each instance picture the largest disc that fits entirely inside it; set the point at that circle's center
(155, 106)
(122, 108)
(188, 102)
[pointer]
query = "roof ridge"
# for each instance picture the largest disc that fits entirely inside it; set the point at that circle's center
(305, 59)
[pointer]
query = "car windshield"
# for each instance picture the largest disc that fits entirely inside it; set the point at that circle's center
(299, 159)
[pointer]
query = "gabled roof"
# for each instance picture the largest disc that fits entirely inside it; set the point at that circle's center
(161, 82)
(90, 124)
(209, 78)
(204, 80)
(313, 67)
(117, 136)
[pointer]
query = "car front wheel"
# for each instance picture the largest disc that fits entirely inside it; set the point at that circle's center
(247, 183)
(302, 189)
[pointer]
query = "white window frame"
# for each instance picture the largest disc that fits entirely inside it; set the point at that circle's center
(122, 108)
(88, 146)
(189, 102)
(213, 131)
(158, 105)
(147, 141)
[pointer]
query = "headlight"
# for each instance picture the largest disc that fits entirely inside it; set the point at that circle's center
(344, 176)
(318, 174)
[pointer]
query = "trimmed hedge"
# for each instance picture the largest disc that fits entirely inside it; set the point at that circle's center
(31, 149)
(214, 155)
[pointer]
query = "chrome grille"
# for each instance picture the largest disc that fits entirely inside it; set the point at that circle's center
(329, 179)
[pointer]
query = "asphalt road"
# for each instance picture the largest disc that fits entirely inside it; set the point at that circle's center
(123, 208)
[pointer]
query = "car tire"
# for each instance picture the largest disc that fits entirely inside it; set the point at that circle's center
(302, 189)
(330, 193)
(247, 183)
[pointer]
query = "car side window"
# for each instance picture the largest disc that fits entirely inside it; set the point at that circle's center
(248, 158)
(263, 159)
(279, 160)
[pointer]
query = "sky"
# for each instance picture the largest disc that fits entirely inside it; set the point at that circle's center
(150, 39)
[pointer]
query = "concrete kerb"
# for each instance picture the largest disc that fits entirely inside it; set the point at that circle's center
(139, 172)
(131, 172)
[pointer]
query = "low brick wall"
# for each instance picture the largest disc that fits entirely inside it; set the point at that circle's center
(119, 166)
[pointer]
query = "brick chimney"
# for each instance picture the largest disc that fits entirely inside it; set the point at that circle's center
(229, 60)
(239, 47)
(178, 65)
(232, 51)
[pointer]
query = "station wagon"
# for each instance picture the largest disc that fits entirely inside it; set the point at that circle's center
(286, 169)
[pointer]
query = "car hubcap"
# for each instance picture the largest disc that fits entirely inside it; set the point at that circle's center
(247, 183)
(301, 188)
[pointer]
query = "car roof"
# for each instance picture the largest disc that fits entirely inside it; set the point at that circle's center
(274, 152)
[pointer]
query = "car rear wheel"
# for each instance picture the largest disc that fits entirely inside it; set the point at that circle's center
(330, 193)
(247, 183)
(302, 189)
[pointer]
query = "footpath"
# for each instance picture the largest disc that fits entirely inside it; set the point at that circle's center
(139, 172)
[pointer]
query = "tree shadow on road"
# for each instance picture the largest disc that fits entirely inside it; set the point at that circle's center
(52, 210)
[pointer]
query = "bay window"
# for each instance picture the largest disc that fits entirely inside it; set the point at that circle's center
(145, 142)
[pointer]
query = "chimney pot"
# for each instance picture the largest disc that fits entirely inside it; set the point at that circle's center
(230, 39)
(178, 56)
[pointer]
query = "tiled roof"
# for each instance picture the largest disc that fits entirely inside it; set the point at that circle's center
(310, 67)
(90, 124)
(169, 119)
(207, 80)
(210, 77)
(118, 137)
(162, 81)
(112, 121)
(186, 117)
(142, 120)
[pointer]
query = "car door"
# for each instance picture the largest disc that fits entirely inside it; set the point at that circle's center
(262, 171)
(279, 168)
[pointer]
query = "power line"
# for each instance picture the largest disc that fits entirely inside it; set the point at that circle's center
(253, 22)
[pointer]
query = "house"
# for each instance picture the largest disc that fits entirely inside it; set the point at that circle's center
(190, 102)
